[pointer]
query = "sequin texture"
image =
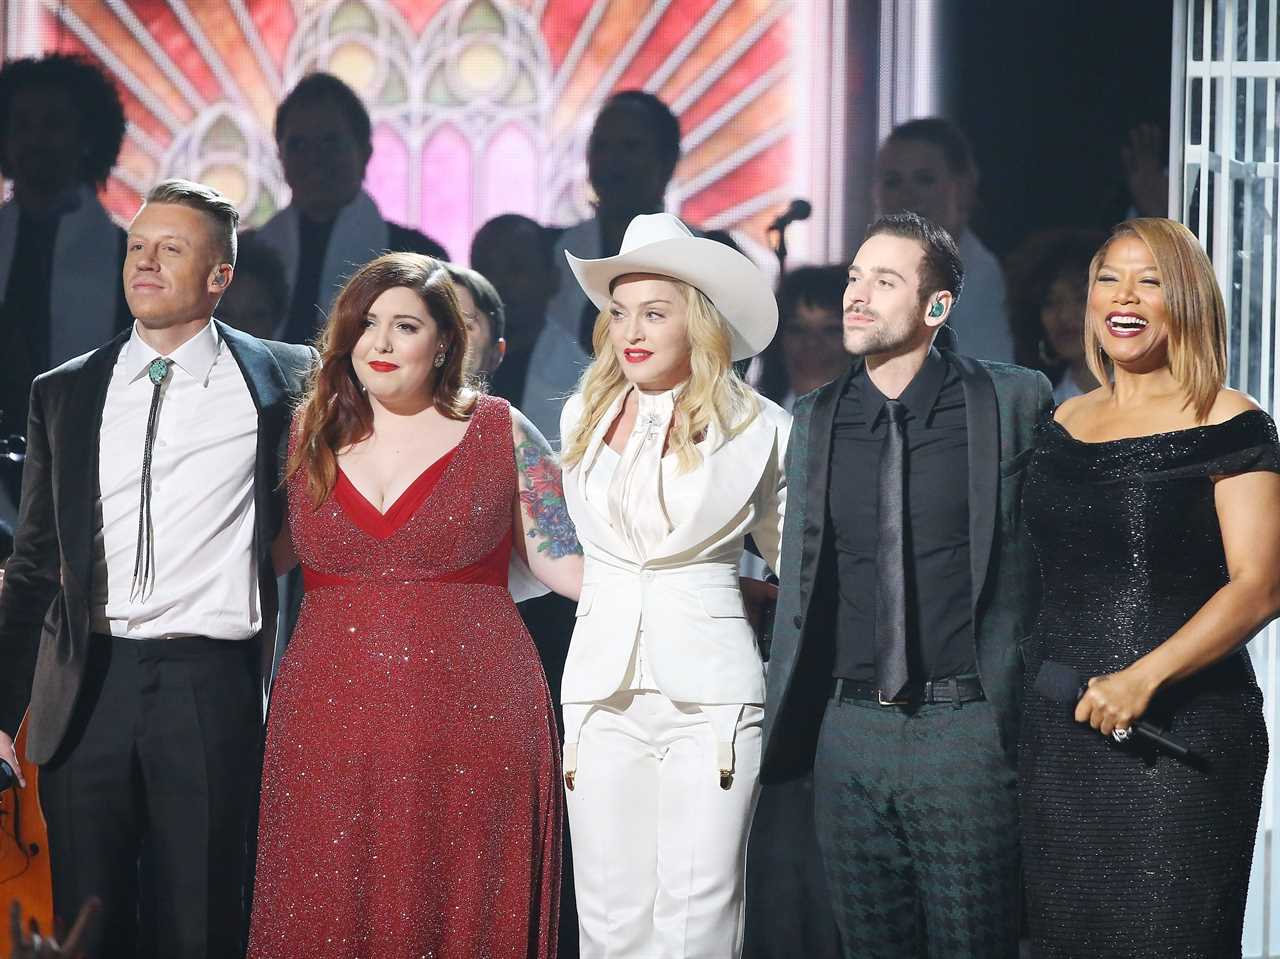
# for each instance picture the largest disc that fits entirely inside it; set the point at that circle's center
(1128, 851)
(410, 802)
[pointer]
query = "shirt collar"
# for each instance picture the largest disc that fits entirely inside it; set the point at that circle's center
(195, 357)
(919, 397)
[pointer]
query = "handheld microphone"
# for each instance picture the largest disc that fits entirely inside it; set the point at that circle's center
(1062, 684)
(797, 211)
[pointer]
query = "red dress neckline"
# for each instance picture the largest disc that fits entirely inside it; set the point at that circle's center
(380, 525)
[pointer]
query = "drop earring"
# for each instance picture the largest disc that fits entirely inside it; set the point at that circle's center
(439, 361)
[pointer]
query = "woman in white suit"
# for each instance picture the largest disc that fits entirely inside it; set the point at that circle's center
(669, 460)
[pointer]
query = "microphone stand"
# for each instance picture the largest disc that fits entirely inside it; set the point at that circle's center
(780, 247)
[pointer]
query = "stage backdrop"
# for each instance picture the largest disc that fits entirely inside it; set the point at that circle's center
(480, 106)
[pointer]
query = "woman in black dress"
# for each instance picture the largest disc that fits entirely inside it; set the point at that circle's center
(1154, 504)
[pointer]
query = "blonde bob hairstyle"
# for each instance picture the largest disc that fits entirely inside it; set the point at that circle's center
(714, 393)
(1197, 315)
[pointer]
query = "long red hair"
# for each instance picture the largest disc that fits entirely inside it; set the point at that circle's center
(335, 410)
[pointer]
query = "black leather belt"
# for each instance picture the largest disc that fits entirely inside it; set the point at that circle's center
(954, 690)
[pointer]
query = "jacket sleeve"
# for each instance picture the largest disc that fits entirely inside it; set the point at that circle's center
(32, 575)
(767, 531)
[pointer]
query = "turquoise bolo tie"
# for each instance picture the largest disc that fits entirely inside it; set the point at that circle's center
(144, 558)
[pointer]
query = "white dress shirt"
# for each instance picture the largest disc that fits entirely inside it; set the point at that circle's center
(202, 487)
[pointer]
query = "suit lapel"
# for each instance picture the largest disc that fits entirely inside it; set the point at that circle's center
(982, 417)
(76, 476)
(270, 392)
(821, 425)
(729, 477)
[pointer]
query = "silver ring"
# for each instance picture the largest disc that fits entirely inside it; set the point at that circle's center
(1120, 735)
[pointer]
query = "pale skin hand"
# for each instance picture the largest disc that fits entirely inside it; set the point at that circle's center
(543, 535)
(38, 947)
(1248, 507)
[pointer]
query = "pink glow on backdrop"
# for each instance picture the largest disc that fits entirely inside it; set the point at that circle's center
(510, 175)
(446, 211)
(387, 176)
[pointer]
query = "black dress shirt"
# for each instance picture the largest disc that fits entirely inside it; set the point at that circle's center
(939, 583)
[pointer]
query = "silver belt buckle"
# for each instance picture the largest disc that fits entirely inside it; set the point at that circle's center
(890, 702)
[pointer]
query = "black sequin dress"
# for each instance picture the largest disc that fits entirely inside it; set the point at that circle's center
(1129, 852)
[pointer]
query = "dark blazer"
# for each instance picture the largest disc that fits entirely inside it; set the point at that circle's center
(1003, 405)
(44, 605)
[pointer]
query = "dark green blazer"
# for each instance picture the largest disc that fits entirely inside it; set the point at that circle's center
(1003, 405)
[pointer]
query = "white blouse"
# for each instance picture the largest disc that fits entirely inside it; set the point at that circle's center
(642, 494)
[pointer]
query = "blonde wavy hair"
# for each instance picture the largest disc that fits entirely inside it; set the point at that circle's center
(715, 393)
(1197, 315)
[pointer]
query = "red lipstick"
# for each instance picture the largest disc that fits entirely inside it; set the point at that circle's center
(636, 356)
(382, 366)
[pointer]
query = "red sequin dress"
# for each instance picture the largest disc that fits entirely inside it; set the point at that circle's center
(410, 799)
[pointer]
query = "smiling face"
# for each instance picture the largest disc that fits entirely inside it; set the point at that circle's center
(882, 310)
(1126, 308)
(172, 266)
(649, 331)
(394, 358)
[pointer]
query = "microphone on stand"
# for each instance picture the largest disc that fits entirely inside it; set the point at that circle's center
(1062, 684)
(797, 210)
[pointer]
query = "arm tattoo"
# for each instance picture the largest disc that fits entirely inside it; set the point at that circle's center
(542, 496)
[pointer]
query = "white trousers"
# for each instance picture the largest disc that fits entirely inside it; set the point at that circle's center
(659, 847)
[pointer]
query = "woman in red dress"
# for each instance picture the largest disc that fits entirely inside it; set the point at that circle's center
(410, 796)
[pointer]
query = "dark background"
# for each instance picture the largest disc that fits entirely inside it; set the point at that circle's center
(1047, 91)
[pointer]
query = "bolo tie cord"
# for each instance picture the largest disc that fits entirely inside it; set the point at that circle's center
(144, 557)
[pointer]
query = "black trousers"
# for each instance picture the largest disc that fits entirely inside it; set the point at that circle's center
(917, 820)
(150, 797)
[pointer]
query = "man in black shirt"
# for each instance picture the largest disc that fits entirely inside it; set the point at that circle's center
(907, 582)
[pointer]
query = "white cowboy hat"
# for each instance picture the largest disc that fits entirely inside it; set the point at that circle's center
(659, 243)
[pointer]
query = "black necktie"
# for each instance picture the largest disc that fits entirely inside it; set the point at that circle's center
(144, 571)
(891, 586)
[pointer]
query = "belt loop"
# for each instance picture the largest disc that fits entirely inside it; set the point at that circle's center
(955, 692)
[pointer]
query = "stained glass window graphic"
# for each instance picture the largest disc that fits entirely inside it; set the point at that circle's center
(479, 106)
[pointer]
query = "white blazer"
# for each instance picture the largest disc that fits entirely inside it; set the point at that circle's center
(699, 647)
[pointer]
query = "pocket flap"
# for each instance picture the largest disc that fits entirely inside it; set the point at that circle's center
(722, 602)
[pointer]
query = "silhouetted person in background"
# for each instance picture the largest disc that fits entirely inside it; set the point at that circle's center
(1048, 286)
(256, 303)
(484, 319)
(331, 226)
(543, 360)
(631, 157)
(61, 126)
(809, 348)
(927, 166)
